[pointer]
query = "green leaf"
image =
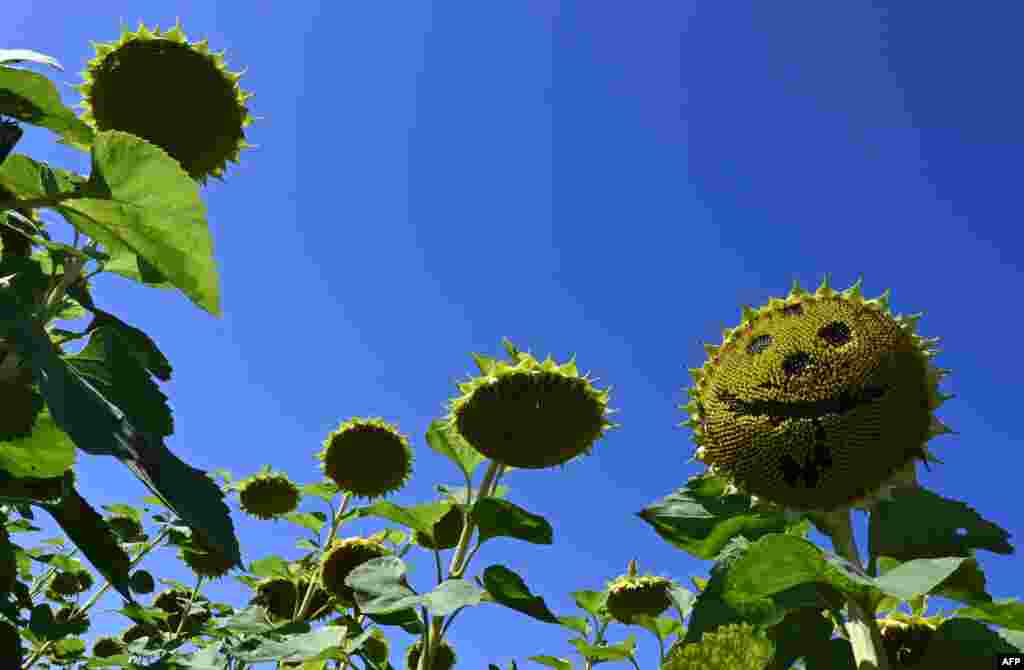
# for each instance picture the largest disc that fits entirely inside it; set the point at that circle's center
(32, 98)
(551, 662)
(93, 537)
(450, 444)
(313, 521)
(699, 520)
(420, 517)
(307, 544)
(613, 652)
(99, 427)
(270, 566)
(660, 627)
(139, 197)
(918, 577)
(294, 647)
(21, 55)
(460, 494)
(408, 620)
(118, 509)
(591, 601)
(577, 623)
(325, 490)
(130, 340)
(500, 518)
(108, 364)
(380, 586)
(450, 595)
(509, 589)
(682, 599)
(953, 528)
(46, 452)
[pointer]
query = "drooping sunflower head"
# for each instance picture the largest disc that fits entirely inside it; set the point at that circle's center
(444, 658)
(735, 646)
(529, 414)
(341, 559)
(65, 584)
(105, 647)
(267, 495)
(817, 400)
(632, 594)
(171, 92)
(205, 560)
(367, 457)
(127, 528)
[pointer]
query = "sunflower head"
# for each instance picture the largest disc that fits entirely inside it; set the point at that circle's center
(66, 584)
(105, 647)
(205, 560)
(127, 528)
(367, 457)
(736, 646)
(267, 495)
(444, 658)
(344, 557)
(816, 401)
(631, 594)
(171, 92)
(527, 413)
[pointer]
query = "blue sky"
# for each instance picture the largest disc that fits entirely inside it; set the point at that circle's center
(585, 179)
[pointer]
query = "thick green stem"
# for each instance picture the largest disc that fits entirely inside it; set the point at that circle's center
(315, 581)
(458, 565)
(861, 627)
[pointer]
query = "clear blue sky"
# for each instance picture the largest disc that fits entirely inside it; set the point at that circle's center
(585, 179)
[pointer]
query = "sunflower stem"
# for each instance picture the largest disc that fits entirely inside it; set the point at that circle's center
(861, 627)
(313, 583)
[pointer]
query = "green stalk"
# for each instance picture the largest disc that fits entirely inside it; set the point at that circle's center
(335, 525)
(861, 627)
(458, 565)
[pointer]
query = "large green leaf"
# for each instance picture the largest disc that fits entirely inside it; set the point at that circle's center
(108, 364)
(130, 339)
(450, 444)
(140, 196)
(952, 528)
(33, 98)
(700, 520)
(509, 589)
(47, 452)
(22, 55)
(500, 518)
(93, 537)
(137, 199)
(99, 427)
(28, 178)
(420, 517)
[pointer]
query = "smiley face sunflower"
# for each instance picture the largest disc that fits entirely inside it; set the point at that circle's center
(814, 401)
